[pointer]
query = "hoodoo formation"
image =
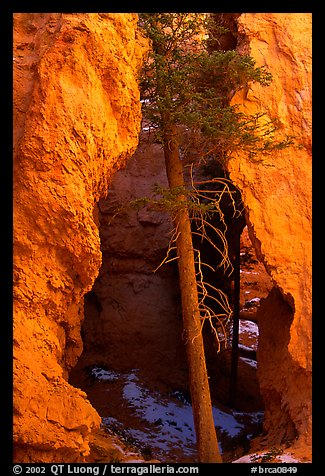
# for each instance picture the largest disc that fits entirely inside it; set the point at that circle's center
(77, 119)
(277, 192)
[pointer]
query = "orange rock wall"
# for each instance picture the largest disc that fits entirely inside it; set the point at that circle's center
(277, 196)
(76, 120)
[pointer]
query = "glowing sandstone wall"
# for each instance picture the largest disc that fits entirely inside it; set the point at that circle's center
(76, 121)
(277, 195)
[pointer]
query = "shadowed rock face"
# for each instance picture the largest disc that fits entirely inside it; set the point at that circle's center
(133, 313)
(277, 196)
(77, 118)
(137, 322)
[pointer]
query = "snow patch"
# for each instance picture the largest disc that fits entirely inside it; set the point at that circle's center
(287, 458)
(256, 457)
(101, 374)
(249, 327)
(167, 421)
(253, 300)
(250, 362)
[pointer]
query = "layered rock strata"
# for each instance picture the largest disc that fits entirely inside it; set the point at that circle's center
(76, 121)
(133, 313)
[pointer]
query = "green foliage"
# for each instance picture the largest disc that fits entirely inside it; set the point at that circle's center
(184, 85)
(186, 90)
(167, 199)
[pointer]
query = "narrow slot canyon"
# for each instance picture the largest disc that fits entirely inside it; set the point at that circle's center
(133, 367)
(100, 372)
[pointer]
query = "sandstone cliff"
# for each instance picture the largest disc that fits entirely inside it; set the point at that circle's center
(277, 196)
(76, 120)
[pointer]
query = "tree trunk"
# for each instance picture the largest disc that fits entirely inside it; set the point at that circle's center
(235, 328)
(207, 443)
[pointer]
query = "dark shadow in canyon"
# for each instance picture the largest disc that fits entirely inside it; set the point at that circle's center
(133, 321)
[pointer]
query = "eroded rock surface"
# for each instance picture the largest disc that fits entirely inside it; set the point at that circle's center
(77, 118)
(277, 195)
(133, 313)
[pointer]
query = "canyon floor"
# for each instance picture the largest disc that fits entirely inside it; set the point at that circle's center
(142, 423)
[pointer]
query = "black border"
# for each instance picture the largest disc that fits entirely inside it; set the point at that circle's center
(6, 190)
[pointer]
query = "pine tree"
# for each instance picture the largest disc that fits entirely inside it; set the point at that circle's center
(186, 91)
